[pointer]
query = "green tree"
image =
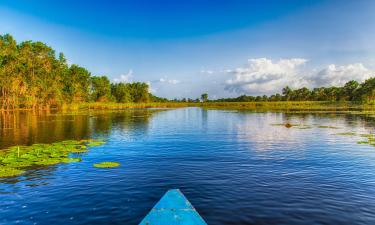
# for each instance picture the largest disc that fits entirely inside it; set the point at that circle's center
(204, 97)
(121, 92)
(100, 89)
(76, 84)
(287, 93)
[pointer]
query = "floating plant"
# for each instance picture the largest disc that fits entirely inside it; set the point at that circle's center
(302, 127)
(17, 157)
(290, 125)
(328, 127)
(346, 134)
(287, 125)
(366, 135)
(9, 172)
(106, 164)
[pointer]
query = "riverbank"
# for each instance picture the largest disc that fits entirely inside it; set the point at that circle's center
(259, 106)
(291, 106)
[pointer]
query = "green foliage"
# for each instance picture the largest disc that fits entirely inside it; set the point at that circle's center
(100, 89)
(346, 134)
(106, 164)
(42, 155)
(130, 92)
(9, 171)
(351, 91)
(327, 127)
(33, 76)
(204, 97)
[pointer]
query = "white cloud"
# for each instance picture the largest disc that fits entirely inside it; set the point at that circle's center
(264, 76)
(207, 71)
(168, 81)
(126, 78)
(339, 75)
(153, 90)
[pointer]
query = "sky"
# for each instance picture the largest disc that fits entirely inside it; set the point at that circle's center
(186, 48)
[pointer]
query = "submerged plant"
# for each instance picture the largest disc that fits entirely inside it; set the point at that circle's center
(106, 164)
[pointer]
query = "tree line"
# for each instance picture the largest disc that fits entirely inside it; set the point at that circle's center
(32, 75)
(351, 91)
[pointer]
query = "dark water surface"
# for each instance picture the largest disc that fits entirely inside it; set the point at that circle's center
(234, 167)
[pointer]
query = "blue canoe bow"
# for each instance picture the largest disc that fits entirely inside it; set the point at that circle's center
(173, 209)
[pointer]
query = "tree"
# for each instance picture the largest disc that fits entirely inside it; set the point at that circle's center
(349, 90)
(204, 97)
(100, 89)
(121, 92)
(76, 84)
(286, 93)
(32, 75)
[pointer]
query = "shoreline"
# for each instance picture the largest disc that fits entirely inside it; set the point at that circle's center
(264, 106)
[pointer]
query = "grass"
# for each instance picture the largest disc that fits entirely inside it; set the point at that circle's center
(111, 105)
(15, 158)
(290, 106)
(106, 164)
(283, 106)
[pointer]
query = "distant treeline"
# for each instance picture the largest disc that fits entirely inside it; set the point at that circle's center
(351, 91)
(33, 76)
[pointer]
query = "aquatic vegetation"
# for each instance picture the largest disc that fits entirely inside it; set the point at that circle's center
(16, 157)
(106, 164)
(305, 127)
(9, 172)
(71, 160)
(370, 139)
(95, 143)
(288, 125)
(346, 134)
(366, 135)
(327, 127)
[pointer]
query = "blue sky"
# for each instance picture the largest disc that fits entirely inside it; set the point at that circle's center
(225, 48)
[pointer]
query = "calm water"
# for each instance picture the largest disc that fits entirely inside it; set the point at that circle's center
(235, 168)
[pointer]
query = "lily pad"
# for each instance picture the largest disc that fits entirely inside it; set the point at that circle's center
(9, 172)
(16, 157)
(106, 164)
(327, 127)
(347, 134)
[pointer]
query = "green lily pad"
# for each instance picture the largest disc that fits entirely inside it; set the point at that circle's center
(347, 134)
(106, 164)
(71, 160)
(16, 157)
(9, 172)
(327, 127)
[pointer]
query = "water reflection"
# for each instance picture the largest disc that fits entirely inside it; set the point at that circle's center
(27, 127)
